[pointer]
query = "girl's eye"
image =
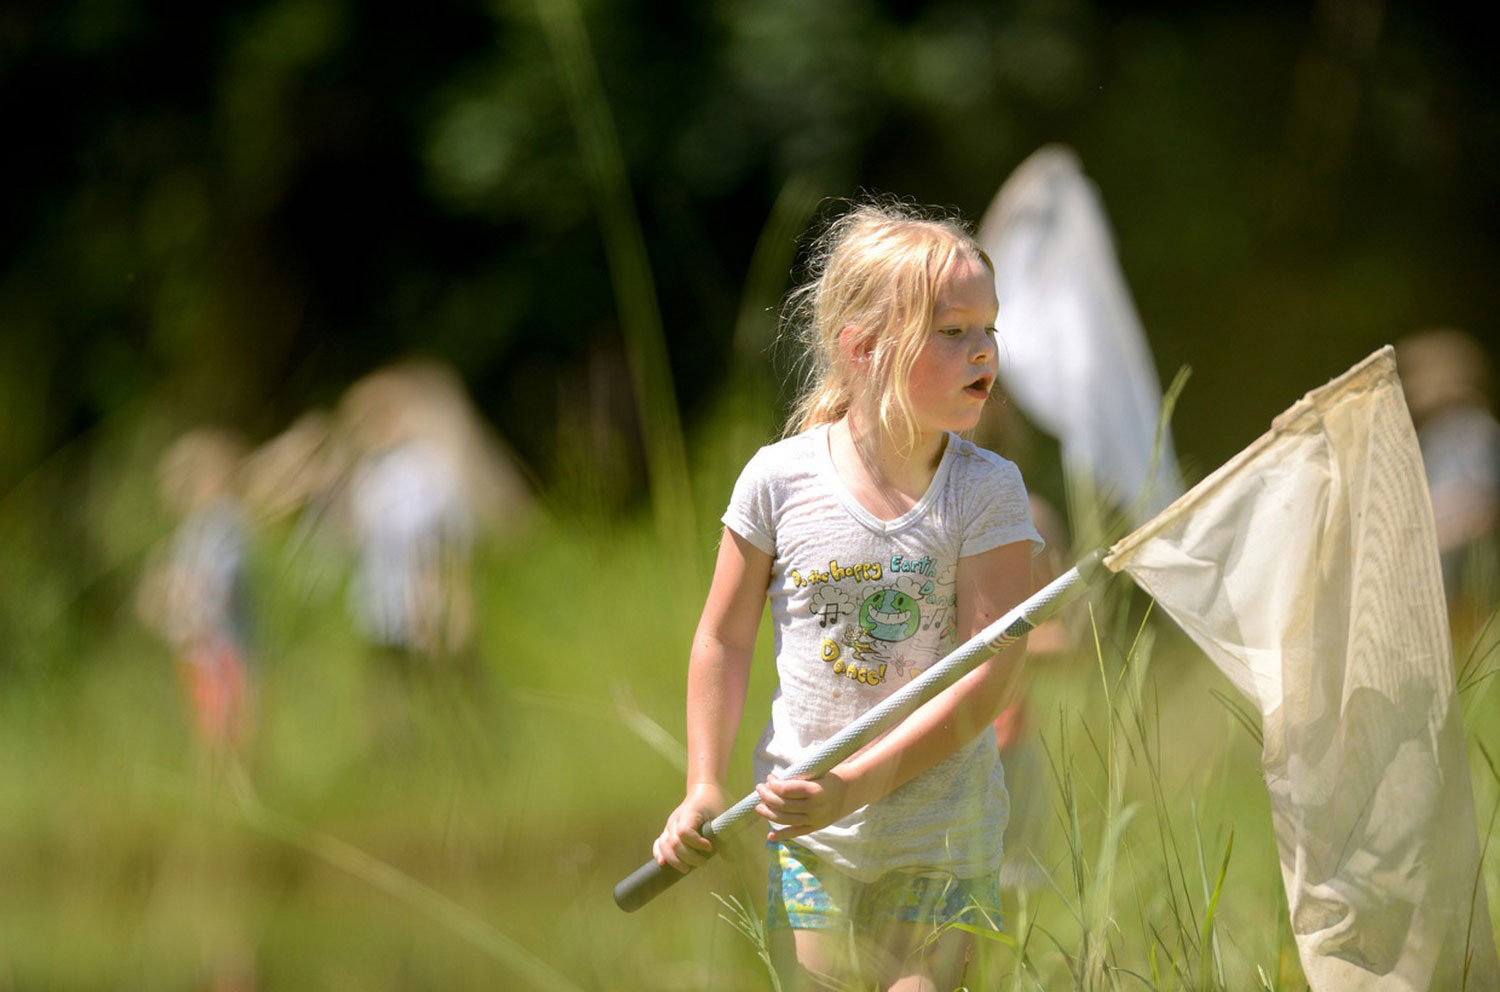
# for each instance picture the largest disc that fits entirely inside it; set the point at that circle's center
(991, 331)
(951, 332)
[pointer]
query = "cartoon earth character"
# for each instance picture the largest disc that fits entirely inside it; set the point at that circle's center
(889, 615)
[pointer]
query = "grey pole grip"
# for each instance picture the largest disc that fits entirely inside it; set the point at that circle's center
(644, 884)
(651, 879)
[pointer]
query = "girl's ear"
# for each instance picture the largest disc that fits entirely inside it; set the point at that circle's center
(856, 345)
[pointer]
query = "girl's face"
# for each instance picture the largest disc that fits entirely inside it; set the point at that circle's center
(952, 375)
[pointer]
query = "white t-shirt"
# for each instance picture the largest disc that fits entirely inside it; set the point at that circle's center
(860, 606)
(408, 509)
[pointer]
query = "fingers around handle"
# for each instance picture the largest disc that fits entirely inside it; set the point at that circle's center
(644, 884)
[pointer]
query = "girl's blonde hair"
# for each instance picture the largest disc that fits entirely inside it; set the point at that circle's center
(877, 268)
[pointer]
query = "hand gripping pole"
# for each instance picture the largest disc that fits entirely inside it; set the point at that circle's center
(651, 879)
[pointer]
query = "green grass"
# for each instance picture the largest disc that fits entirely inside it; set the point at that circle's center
(399, 829)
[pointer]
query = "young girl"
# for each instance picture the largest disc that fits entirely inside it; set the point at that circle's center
(882, 540)
(195, 593)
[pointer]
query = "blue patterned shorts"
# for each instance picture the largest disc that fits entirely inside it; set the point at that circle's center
(807, 893)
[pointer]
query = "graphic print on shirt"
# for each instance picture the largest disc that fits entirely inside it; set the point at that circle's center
(866, 628)
(890, 615)
(830, 605)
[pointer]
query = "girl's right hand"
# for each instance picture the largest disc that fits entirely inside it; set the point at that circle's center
(681, 845)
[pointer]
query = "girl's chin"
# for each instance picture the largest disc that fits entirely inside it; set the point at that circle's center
(958, 425)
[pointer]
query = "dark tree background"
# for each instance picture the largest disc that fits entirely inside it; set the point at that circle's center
(236, 208)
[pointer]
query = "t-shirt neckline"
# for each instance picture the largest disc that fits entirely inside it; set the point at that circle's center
(856, 508)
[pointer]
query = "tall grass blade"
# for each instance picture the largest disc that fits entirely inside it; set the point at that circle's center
(757, 394)
(749, 924)
(1470, 673)
(770, 270)
(1479, 872)
(651, 733)
(1237, 709)
(1104, 871)
(1163, 424)
(630, 274)
(648, 730)
(393, 882)
(1171, 851)
(1209, 967)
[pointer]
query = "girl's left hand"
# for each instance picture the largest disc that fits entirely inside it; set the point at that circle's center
(801, 805)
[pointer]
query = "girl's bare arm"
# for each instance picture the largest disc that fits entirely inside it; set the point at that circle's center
(718, 678)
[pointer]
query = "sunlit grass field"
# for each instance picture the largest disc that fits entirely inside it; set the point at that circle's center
(399, 826)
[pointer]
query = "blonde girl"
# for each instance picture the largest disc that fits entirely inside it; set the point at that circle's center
(881, 539)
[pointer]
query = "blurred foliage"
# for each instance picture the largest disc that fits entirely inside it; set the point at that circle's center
(414, 828)
(238, 208)
(226, 213)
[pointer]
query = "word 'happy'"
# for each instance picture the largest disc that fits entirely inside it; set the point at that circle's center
(863, 572)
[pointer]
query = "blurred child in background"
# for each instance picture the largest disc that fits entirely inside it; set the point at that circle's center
(195, 595)
(409, 518)
(1446, 378)
(426, 477)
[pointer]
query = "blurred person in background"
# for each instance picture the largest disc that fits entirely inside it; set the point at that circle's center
(425, 476)
(1446, 376)
(195, 593)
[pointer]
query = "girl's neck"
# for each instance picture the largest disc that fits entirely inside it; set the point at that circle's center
(885, 474)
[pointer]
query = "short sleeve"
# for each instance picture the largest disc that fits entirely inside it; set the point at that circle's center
(751, 511)
(998, 510)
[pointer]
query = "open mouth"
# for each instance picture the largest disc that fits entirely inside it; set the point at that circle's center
(980, 388)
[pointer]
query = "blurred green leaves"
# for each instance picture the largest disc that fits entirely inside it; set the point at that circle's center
(275, 196)
(228, 214)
